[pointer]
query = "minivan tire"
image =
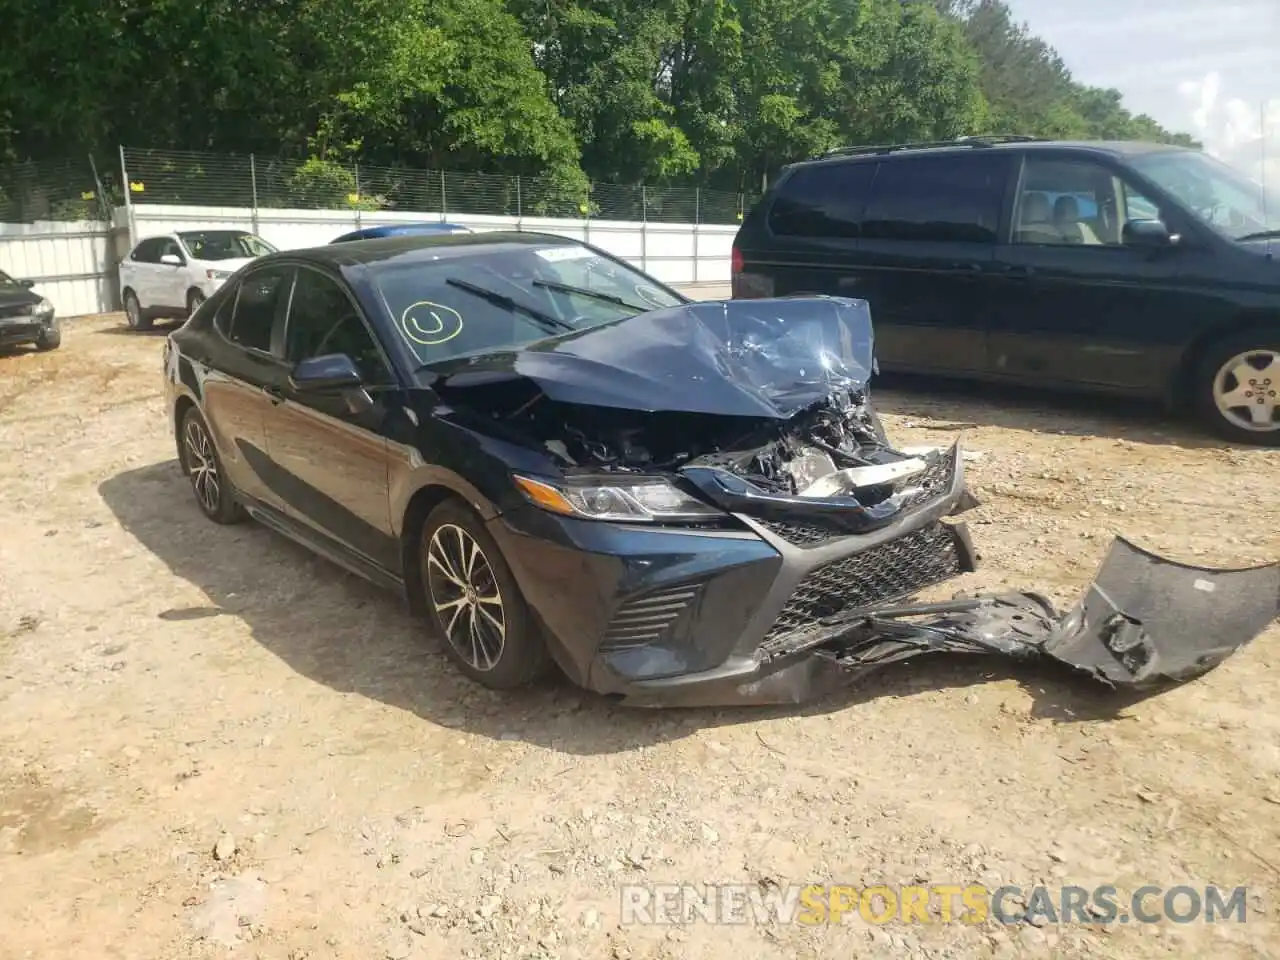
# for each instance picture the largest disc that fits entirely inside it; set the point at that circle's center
(1226, 352)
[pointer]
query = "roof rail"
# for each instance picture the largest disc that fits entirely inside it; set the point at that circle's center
(981, 140)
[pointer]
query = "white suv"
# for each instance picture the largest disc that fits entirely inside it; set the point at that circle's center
(170, 276)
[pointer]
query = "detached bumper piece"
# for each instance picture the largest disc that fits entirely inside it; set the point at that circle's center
(1144, 622)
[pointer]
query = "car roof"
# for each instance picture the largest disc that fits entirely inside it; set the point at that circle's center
(409, 248)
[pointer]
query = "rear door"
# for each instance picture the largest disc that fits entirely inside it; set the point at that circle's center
(928, 239)
(140, 271)
(1075, 304)
(245, 376)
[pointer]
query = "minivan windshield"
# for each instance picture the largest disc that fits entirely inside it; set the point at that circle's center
(462, 305)
(1221, 196)
(224, 244)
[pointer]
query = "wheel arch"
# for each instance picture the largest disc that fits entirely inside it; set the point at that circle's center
(180, 408)
(1180, 384)
(425, 499)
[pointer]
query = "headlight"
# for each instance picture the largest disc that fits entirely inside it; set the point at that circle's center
(42, 309)
(217, 274)
(615, 498)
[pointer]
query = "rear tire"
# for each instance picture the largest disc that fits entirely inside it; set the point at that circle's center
(1236, 387)
(203, 467)
(138, 318)
(474, 604)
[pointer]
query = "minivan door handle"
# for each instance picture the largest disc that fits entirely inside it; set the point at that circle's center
(1018, 272)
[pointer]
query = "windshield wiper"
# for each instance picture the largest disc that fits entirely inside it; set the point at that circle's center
(593, 294)
(1260, 235)
(502, 300)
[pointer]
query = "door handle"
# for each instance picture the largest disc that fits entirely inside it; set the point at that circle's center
(1019, 272)
(274, 394)
(967, 269)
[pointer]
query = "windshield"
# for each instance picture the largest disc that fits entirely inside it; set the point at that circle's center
(488, 301)
(6, 280)
(1224, 198)
(224, 244)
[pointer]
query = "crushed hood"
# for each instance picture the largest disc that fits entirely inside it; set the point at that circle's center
(750, 358)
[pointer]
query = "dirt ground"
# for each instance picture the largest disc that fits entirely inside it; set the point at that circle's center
(168, 686)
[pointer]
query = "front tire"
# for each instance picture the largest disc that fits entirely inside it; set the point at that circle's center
(50, 338)
(203, 467)
(474, 603)
(1236, 387)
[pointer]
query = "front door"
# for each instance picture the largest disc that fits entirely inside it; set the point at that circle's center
(328, 456)
(1073, 303)
(928, 239)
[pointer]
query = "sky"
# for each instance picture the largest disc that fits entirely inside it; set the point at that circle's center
(1205, 67)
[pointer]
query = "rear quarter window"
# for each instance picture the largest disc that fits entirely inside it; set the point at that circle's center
(822, 200)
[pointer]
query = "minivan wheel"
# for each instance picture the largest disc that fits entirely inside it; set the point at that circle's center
(1237, 387)
(474, 603)
(203, 467)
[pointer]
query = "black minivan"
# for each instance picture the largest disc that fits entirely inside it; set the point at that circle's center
(1137, 269)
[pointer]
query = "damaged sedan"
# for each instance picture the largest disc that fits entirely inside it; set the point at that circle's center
(559, 460)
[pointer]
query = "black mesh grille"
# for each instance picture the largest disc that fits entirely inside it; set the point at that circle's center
(891, 571)
(801, 534)
(644, 619)
(21, 310)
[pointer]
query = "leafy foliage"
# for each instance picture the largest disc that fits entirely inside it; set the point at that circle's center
(711, 92)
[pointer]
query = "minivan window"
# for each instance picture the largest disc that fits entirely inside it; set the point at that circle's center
(947, 198)
(823, 200)
(1217, 194)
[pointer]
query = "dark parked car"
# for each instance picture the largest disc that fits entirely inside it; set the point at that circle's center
(25, 316)
(429, 228)
(1135, 269)
(558, 458)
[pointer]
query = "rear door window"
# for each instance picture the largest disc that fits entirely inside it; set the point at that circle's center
(148, 251)
(822, 200)
(260, 300)
(947, 198)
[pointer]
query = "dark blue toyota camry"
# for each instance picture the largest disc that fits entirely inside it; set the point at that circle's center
(558, 459)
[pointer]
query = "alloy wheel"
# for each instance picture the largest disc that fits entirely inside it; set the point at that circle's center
(202, 466)
(465, 596)
(1246, 390)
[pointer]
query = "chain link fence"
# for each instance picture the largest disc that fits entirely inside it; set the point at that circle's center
(256, 182)
(64, 189)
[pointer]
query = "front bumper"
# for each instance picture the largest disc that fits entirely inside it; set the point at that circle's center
(25, 328)
(633, 611)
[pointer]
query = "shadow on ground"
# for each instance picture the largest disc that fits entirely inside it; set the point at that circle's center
(340, 631)
(968, 405)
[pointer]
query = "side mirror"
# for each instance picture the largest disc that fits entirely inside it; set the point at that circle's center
(1147, 233)
(26, 283)
(172, 259)
(330, 373)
